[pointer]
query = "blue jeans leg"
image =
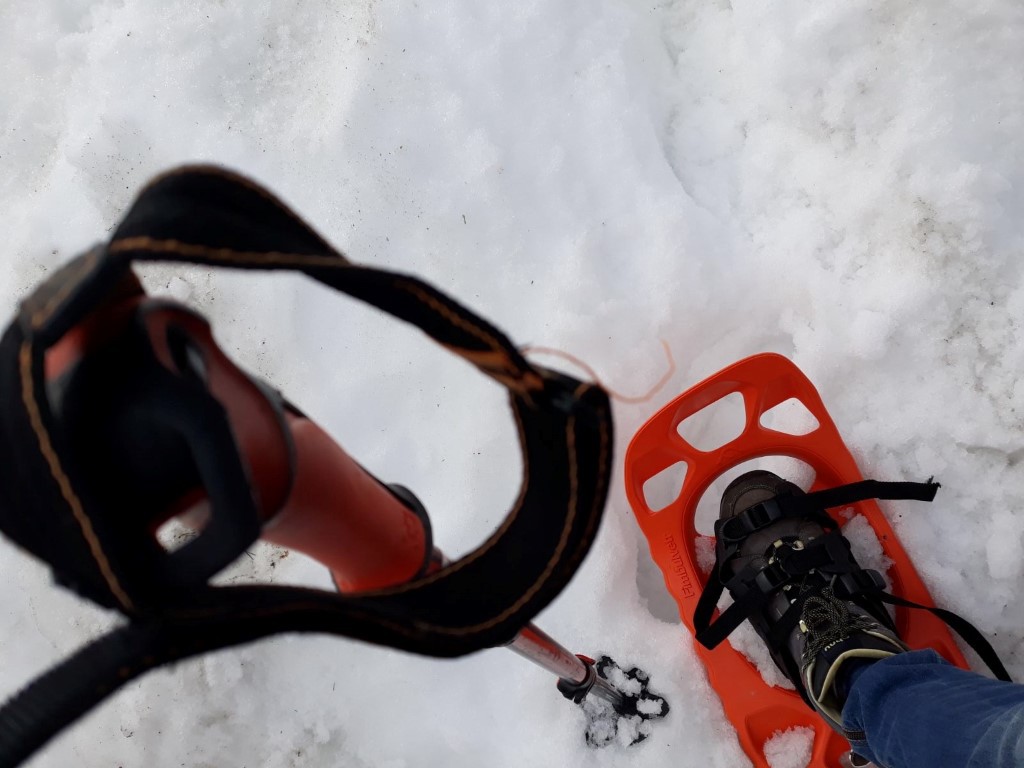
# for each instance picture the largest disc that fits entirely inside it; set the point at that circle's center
(916, 710)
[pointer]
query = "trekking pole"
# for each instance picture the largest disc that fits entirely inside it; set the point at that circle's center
(372, 536)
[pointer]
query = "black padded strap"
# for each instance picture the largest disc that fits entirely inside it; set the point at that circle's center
(209, 216)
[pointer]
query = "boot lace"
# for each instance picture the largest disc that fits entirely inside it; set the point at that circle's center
(828, 620)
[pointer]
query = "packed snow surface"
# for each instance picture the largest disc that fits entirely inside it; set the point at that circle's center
(841, 183)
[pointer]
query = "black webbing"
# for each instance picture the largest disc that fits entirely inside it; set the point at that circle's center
(706, 605)
(970, 634)
(867, 489)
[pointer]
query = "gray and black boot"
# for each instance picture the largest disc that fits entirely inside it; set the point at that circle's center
(832, 633)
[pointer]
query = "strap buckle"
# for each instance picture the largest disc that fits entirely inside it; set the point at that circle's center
(847, 585)
(770, 578)
(759, 516)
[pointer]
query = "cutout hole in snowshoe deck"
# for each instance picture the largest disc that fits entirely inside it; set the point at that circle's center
(715, 425)
(791, 417)
(664, 488)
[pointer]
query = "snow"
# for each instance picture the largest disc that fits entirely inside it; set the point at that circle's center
(790, 748)
(840, 183)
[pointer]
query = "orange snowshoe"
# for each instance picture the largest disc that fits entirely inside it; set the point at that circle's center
(757, 710)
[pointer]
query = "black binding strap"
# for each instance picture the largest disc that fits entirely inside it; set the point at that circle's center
(208, 216)
(752, 588)
(862, 490)
(730, 533)
(967, 631)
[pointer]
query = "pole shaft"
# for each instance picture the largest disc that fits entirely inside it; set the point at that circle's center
(538, 646)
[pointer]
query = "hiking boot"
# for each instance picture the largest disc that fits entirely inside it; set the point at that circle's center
(793, 562)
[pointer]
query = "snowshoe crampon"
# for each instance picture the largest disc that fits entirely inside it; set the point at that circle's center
(756, 709)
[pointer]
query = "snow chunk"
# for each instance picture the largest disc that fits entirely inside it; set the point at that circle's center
(622, 682)
(650, 706)
(865, 544)
(790, 748)
(745, 640)
(704, 546)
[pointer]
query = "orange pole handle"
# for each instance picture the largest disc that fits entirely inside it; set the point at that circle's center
(343, 517)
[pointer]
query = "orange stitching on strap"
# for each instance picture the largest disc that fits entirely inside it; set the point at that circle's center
(28, 397)
(602, 480)
(489, 360)
(517, 385)
(152, 245)
(530, 379)
(525, 380)
(454, 319)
